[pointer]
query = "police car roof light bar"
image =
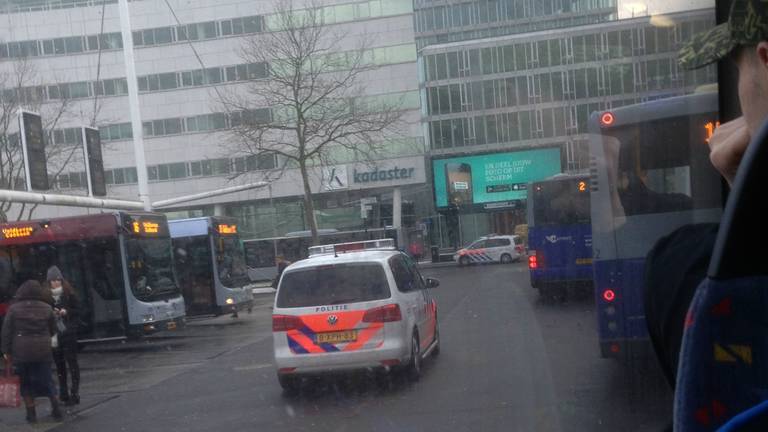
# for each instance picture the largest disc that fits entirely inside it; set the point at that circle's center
(368, 245)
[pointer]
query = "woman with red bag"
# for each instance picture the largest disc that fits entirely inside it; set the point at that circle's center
(27, 330)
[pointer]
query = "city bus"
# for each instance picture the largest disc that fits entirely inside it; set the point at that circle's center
(261, 254)
(560, 235)
(650, 174)
(120, 265)
(210, 265)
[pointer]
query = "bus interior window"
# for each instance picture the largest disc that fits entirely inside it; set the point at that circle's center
(661, 171)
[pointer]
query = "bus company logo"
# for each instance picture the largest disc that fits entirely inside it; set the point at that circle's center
(17, 232)
(333, 319)
(554, 238)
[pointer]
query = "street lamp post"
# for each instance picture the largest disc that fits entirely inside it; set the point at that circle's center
(133, 104)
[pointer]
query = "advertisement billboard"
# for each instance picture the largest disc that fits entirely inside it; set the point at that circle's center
(491, 180)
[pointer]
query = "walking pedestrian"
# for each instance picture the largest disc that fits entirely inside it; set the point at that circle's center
(66, 309)
(27, 330)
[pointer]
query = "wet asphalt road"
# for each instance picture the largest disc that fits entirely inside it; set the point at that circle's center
(509, 362)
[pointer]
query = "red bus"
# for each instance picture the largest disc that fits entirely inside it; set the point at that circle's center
(120, 264)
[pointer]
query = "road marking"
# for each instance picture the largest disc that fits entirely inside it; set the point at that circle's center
(253, 367)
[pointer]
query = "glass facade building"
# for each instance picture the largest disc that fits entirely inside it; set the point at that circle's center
(537, 89)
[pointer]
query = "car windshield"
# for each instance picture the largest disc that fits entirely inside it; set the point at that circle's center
(333, 284)
(543, 170)
(150, 268)
(230, 260)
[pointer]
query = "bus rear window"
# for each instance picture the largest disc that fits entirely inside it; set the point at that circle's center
(560, 203)
(333, 284)
(663, 166)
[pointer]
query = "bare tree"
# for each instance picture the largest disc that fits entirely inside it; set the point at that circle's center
(317, 102)
(21, 88)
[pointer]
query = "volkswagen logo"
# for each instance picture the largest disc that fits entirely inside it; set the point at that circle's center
(332, 319)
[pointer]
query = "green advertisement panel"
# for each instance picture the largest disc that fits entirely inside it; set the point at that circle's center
(491, 178)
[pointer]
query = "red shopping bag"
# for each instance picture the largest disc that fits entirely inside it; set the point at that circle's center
(9, 389)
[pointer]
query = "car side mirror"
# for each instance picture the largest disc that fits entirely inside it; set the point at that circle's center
(432, 283)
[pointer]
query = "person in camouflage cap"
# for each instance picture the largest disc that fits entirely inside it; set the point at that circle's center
(744, 39)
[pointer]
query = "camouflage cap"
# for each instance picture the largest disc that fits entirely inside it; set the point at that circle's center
(747, 25)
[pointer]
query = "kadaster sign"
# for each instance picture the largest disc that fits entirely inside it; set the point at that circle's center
(393, 172)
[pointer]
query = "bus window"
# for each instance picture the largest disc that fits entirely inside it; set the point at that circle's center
(657, 161)
(150, 267)
(561, 203)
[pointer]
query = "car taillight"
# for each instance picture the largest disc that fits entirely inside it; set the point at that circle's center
(388, 313)
(533, 263)
(285, 323)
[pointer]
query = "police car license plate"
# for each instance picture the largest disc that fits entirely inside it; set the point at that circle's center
(336, 337)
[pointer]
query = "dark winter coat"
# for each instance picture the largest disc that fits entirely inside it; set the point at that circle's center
(28, 326)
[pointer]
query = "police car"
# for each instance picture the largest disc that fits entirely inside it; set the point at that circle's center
(352, 306)
(504, 249)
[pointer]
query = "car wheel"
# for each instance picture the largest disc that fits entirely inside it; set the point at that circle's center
(506, 259)
(413, 371)
(464, 261)
(290, 384)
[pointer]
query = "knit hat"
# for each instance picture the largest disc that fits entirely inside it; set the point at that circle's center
(54, 274)
(30, 290)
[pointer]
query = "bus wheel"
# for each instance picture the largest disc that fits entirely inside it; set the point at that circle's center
(506, 259)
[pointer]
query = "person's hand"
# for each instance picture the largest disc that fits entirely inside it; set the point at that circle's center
(727, 147)
(63, 312)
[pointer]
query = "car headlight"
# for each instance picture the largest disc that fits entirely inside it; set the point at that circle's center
(148, 318)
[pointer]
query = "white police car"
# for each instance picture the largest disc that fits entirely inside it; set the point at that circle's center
(353, 306)
(504, 249)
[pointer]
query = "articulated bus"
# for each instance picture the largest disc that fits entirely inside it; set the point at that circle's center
(120, 265)
(210, 264)
(651, 174)
(560, 235)
(261, 254)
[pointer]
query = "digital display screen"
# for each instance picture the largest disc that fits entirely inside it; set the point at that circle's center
(227, 229)
(491, 178)
(146, 226)
(32, 132)
(16, 232)
(95, 162)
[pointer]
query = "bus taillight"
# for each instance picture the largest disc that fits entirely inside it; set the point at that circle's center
(533, 262)
(609, 295)
(607, 118)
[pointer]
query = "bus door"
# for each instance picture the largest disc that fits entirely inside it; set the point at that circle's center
(104, 280)
(194, 268)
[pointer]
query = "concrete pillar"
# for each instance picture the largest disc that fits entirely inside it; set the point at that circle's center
(218, 210)
(397, 215)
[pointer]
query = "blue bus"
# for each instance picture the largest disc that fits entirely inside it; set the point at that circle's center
(650, 174)
(560, 235)
(210, 264)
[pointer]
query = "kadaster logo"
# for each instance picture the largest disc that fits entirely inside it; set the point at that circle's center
(335, 178)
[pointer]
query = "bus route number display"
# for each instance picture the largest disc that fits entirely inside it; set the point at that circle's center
(146, 227)
(227, 229)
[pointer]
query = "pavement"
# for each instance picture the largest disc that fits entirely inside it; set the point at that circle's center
(509, 362)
